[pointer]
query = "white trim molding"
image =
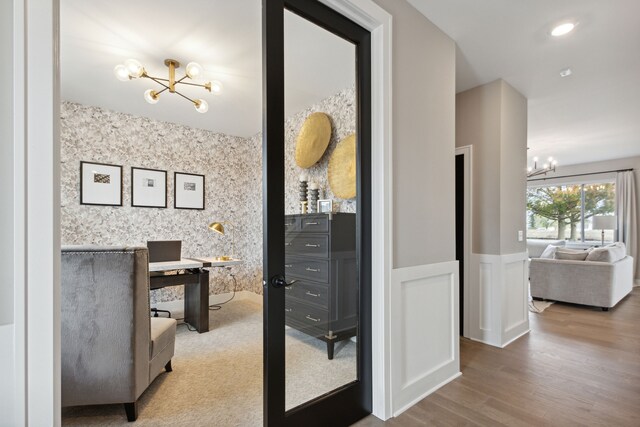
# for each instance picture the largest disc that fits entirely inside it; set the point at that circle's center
(377, 20)
(499, 298)
(425, 344)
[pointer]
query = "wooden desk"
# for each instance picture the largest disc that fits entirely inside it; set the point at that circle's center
(192, 273)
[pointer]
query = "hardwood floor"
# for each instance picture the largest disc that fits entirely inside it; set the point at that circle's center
(577, 366)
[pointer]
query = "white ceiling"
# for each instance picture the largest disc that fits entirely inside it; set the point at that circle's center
(223, 36)
(592, 115)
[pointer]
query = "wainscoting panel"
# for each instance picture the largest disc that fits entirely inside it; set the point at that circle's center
(424, 331)
(498, 306)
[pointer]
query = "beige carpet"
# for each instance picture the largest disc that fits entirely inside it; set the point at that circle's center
(217, 376)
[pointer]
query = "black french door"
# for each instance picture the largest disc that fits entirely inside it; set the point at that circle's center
(318, 296)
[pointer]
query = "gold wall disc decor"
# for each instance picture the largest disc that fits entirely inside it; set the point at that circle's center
(313, 139)
(342, 169)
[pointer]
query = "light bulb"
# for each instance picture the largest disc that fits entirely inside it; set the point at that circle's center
(134, 67)
(545, 166)
(151, 96)
(194, 70)
(529, 169)
(535, 159)
(201, 105)
(550, 159)
(554, 163)
(121, 73)
(216, 87)
(563, 29)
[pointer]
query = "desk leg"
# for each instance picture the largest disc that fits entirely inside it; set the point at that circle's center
(196, 303)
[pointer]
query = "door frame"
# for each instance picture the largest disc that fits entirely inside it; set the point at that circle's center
(352, 401)
(467, 153)
(36, 350)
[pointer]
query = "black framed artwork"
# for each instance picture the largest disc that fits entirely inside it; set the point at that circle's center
(100, 184)
(148, 188)
(188, 191)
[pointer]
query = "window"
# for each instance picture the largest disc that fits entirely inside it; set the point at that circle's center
(564, 212)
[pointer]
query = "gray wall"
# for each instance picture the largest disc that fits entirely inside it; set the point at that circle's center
(423, 139)
(493, 119)
(594, 168)
(513, 161)
(6, 163)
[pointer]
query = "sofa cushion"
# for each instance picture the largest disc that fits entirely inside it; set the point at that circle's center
(610, 253)
(570, 254)
(163, 333)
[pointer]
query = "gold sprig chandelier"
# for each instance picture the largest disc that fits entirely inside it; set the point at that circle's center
(132, 69)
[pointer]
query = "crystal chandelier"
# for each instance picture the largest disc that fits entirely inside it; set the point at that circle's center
(132, 69)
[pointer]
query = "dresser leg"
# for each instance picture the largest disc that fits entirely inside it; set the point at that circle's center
(330, 346)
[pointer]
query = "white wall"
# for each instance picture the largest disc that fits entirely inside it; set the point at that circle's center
(423, 296)
(594, 168)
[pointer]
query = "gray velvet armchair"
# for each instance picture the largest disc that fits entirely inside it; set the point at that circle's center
(111, 348)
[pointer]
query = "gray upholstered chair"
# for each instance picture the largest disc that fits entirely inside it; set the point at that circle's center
(111, 348)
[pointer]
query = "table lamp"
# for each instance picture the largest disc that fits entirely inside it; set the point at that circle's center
(604, 222)
(218, 227)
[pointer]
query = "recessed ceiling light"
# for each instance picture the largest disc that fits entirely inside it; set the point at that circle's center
(566, 72)
(563, 29)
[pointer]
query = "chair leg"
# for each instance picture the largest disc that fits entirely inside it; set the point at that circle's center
(605, 308)
(168, 367)
(131, 409)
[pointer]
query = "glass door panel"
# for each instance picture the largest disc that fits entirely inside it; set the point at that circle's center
(321, 303)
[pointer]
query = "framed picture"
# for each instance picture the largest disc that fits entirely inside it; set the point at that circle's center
(325, 206)
(148, 188)
(188, 191)
(100, 184)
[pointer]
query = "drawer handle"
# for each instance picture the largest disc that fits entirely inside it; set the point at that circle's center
(288, 244)
(288, 310)
(309, 245)
(312, 294)
(288, 265)
(313, 319)
(287, 288)
(313, 270)
(310, 223)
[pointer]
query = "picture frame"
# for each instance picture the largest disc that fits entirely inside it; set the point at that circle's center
(325, 206)
(148, 188)
(188, 191)
(100, 184)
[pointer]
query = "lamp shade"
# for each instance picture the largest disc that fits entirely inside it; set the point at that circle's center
(605, 222)
(217, 227)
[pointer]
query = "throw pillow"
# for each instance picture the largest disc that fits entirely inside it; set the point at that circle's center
(549, 252)
(610, 253)
(568, 254)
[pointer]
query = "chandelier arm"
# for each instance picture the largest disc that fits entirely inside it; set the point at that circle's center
(159, 82)
(185, 97)
(166, 88)
(190, 84)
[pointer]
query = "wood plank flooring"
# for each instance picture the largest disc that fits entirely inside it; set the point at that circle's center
(578, 366)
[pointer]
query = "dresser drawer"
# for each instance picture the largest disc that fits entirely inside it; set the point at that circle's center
(291, 223)
(304, 244)
(309, 292)
(315, 224)
(305, 316)
(312, 269)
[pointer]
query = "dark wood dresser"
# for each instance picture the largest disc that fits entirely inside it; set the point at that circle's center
(321, 258)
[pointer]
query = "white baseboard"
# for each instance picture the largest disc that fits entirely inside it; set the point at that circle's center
(515, 338)
(176, 307)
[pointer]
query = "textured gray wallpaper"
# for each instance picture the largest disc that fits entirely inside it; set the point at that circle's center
(233, 171)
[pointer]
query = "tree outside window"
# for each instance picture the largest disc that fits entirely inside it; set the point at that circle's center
(565, 211)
